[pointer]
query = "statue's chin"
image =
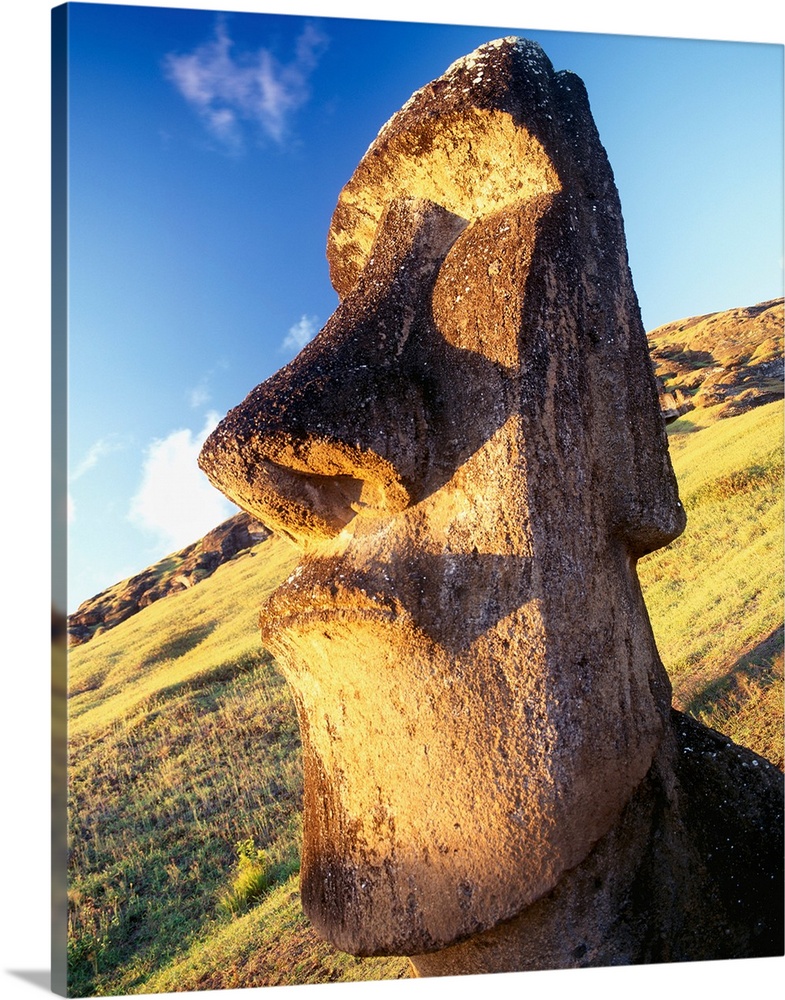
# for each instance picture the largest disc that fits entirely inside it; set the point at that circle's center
(444, 792)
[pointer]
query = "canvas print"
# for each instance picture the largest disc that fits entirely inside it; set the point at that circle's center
(423, 500)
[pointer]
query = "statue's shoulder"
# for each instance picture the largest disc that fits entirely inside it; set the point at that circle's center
(732, 803)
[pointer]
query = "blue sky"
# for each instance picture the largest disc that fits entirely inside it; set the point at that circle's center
(206, 154)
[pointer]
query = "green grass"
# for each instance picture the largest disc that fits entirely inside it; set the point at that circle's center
(206, 632)
(715, 595)
(184, 745)
(272, 945)
(252, 878)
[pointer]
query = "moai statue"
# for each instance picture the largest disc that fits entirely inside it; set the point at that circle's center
(472, 458)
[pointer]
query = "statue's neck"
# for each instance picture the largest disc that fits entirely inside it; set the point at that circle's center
(616, 907)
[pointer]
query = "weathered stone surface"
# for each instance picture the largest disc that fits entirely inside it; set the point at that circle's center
(692, 871)
(472, 456)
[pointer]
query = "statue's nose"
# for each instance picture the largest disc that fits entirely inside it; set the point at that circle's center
(349, 425)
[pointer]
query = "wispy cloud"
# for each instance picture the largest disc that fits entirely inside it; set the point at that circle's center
(299, 334)
(230, 89)
(175, 502)
(97, 451)
(100, 449)
(199, 395)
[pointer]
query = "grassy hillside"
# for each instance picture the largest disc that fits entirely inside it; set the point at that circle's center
(715, 594)
(185, 787)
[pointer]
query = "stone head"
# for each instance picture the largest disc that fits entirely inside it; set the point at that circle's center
(471, 457)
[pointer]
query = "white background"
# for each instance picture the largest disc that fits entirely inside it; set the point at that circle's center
(24, 483)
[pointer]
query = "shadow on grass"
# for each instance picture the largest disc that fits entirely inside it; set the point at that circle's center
(755, 666)
(173, 647)
(682, 425)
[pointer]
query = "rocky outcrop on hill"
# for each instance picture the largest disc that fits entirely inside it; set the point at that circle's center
(174, 573)
(731, 359)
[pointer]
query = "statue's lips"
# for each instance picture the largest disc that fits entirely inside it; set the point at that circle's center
(297, 605)
(434, 595)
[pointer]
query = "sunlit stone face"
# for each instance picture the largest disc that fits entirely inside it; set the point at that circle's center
(471, 456)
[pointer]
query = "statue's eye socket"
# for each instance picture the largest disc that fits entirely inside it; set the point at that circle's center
(473, 164)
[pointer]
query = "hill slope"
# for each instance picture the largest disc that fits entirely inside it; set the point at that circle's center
(176, 572)
(732, 360)
(184, 744)
(715, 594)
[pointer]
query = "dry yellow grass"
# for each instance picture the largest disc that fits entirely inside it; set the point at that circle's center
(715, 595)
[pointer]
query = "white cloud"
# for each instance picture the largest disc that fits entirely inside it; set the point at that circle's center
(228, 90)
(175, 502)
(299, 334)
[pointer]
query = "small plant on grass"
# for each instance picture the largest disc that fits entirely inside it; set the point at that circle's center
(251, 879)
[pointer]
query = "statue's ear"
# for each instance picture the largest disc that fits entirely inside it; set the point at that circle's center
(646, 510)
(583, 349)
